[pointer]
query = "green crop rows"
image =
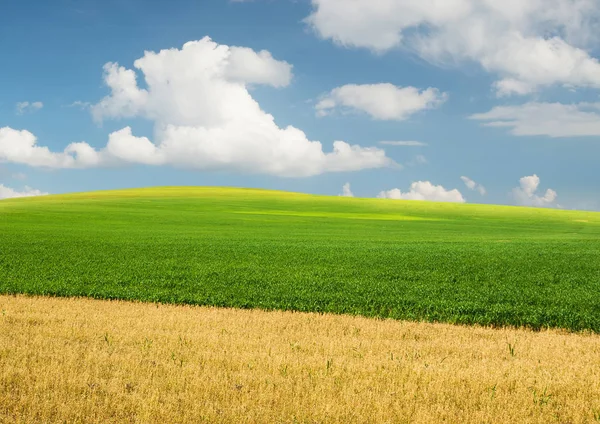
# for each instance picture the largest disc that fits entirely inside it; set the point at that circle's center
(272, 250)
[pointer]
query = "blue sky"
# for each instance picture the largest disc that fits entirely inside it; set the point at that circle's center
(398, 71)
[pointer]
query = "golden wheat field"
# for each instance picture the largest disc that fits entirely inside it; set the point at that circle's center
(81, 360)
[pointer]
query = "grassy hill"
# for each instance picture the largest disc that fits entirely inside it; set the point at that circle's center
(245, 248)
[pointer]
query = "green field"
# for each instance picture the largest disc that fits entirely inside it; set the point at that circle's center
(244, 248)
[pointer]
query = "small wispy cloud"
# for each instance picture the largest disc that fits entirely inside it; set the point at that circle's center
(472, 185)
(24, 107)
(418, 160)
(19, 176)
(347, 191)
(527, 193)
(424, 190)
(382, 102)
(80, 104)
(9, 193)
(547, 119)
(404, 143)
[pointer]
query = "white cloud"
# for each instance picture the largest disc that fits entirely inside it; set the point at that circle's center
(526, 195)
(403, 143)
(23, 107)
(202, 84)
(424, 190)
(249, 67)
(204, 116)
(380, 101)
(527, 43)
(8, 193)
(472, 185)
(550, 119)
(21, 147)
(347, 191)
(124, 145)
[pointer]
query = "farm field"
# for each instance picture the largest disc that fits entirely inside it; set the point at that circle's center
(464, 264)
(81, 360)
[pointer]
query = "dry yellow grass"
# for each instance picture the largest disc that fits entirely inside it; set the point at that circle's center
(79, 360)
